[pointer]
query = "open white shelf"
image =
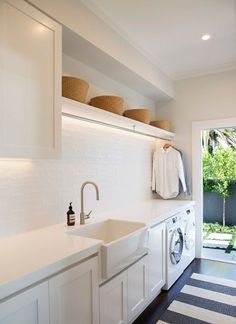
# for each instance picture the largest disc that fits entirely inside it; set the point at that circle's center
(78, 110)
(83, 51)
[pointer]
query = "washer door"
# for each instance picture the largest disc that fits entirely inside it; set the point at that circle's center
(190, 235)
(176, 245)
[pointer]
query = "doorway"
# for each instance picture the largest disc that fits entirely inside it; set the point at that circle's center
(219, 194)
(197, 172)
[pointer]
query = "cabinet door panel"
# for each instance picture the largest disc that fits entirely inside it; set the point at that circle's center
(74, 295)
(29, 82)
(113, 300)
(29, 307)
(137, 287)
(156, 259)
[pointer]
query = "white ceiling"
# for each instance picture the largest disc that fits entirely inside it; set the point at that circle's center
(168, 32)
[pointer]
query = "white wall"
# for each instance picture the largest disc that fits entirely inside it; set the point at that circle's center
(100, 84)
(34, 194)
(76, 16)
(202, 98)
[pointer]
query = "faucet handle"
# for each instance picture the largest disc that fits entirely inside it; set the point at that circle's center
(88, 215)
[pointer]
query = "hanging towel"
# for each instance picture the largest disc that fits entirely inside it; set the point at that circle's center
(167, 171)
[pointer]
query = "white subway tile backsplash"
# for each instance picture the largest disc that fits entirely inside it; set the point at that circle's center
(34, 194)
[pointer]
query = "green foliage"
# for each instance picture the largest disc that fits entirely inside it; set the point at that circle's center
(217, 228)
(208, 182)
(219, 170)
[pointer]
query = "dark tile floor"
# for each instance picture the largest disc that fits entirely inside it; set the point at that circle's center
(154, 311)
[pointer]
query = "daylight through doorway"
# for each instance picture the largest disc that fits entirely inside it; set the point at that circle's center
(219, 194)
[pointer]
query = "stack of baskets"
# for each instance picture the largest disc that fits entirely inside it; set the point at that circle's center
(77, 89)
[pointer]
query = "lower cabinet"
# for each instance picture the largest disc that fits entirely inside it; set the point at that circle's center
(74, 295)
(125, 295)
(28, 307)
(113, 300)
(156, 259)
(70, 297)
(137, 287)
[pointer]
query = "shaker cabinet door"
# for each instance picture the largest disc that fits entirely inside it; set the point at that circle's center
(156, 259)
(113, 300)
(74, 295)
(28, 307)
(137, 287)
(30, 82)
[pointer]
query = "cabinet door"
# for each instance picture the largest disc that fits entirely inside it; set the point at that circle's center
(156, 259)
(74, 296)
(28, 307)
(137, 287)
(30, 82)
(113, 300)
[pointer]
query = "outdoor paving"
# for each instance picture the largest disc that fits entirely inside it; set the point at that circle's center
(220, 236)
(216, 243)
(217, 254)
(215, 246)
(220, 240)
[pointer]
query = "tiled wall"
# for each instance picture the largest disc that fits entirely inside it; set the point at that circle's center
(34, 194)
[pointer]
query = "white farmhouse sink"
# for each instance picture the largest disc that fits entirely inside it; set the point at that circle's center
(123, 243)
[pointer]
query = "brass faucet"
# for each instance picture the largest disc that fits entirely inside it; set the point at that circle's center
(83, 216)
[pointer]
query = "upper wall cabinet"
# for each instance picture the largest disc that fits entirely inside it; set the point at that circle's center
(30, 82)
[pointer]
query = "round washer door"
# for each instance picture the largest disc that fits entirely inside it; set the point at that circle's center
(176, 245)
(190, 235)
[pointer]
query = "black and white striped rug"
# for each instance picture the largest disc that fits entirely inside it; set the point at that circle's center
(204, 299)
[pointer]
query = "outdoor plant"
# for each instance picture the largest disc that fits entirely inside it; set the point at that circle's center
(209, 228)
(219, 170)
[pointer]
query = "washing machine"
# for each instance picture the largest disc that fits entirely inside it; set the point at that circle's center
(180, 244)
(188, 218)
(174, 249)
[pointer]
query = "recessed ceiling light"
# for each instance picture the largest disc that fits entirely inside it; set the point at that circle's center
(206, 37)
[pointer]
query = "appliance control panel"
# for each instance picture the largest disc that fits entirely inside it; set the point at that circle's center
(174, 219)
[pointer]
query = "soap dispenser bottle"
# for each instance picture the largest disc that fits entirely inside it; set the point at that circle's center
(70, 216)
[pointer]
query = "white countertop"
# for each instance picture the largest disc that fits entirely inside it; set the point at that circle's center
(35, 255)
(151, 212)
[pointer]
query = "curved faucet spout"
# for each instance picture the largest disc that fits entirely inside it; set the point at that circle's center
(82, 214)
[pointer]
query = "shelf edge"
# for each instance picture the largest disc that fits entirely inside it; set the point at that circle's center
(81, 111)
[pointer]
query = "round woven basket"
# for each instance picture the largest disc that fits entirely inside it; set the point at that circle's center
(74, 88)
(113, 104)
(164, 124)
(141, 114)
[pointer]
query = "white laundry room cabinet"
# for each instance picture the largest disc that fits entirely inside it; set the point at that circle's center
(30, 82)
(156, 259)
(28, 307)
(74, 295)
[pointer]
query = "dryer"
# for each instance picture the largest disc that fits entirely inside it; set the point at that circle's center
(189, 236)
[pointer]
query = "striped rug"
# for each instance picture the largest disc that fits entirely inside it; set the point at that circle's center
(204, 299)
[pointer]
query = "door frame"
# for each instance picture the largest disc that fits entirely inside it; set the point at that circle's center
(197, 178)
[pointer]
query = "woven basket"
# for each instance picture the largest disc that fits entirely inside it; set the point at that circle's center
(113, 104)
(74, 88)
(164, 124)
(141, 114)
